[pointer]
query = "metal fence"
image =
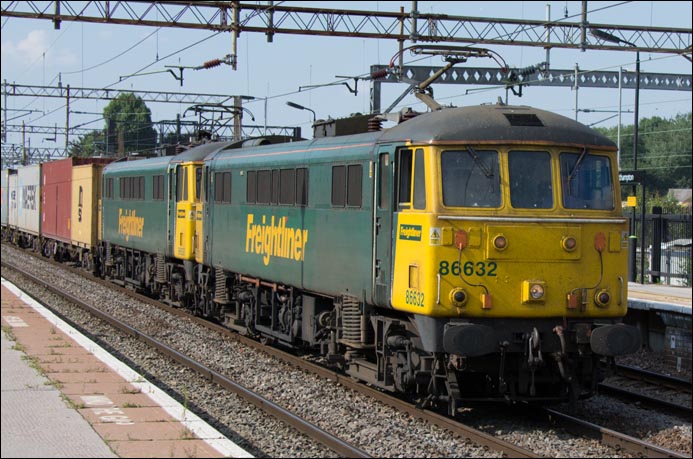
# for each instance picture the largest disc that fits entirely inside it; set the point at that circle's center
(667, 249)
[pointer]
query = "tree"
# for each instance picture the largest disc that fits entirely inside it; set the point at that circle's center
(87, 145)
(664, 151)
(128, 125)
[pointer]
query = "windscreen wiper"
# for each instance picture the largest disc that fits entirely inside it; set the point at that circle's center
(577, 165)
(488, 173)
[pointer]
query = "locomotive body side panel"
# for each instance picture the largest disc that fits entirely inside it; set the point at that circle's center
(321, 242)
(132, 217)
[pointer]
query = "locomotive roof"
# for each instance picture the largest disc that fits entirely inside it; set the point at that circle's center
(197, 153)
(475, 124)
(493, 124)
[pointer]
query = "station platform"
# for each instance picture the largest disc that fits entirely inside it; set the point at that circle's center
(659, 297)
(663, 314)
(64, 396)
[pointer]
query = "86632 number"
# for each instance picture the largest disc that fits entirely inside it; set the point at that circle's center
(469, 268)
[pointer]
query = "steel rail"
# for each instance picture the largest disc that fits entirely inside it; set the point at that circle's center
(334, 443)
(653, 402)
(670, 382)
(478, 437)
(614, 439)
(608, 437)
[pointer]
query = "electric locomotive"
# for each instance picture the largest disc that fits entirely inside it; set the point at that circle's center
(473, 253)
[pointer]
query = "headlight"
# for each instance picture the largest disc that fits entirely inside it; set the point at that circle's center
(536, 291)
(533, 291)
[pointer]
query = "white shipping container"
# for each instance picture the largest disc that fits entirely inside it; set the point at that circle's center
(5, 196)
(25, 199)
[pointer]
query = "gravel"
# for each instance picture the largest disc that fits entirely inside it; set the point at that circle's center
(368, 424)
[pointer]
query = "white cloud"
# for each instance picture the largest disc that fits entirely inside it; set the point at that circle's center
(31, 48)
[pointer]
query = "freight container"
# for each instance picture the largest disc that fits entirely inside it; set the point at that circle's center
(56, 196)
(86, 193)
(24, 215)
(5, 195)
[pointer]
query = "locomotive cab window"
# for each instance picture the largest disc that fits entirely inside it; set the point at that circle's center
(404, 166)
(586, 181)
(411, 180)
(198, 183)
(530, 180)
(182, 184)
(470, 178)
(419, 180)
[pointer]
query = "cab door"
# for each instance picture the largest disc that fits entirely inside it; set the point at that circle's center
(201, 196)
(185, 210)
(382, 209)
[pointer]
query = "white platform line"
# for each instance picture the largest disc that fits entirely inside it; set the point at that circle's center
(190, 420)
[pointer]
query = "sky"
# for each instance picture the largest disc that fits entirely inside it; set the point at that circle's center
(98, 55)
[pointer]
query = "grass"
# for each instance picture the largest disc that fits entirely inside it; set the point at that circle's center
(130, 405)
(126, 390)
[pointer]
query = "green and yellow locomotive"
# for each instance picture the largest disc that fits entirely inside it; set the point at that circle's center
(471, 253)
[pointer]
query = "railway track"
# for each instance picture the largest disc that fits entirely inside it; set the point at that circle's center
(606, 436)
(612, 438)
(661, 392)
(329, 440)
(341, 447)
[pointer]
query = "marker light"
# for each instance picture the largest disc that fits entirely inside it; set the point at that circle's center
(569, 243)
(500, 242)
(602, 298)
(458, 297)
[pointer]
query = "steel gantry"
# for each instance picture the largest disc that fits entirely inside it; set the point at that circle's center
(236, 17)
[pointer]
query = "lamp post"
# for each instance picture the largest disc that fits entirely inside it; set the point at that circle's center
(633, 239)
(614, 39)
(301, 107)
